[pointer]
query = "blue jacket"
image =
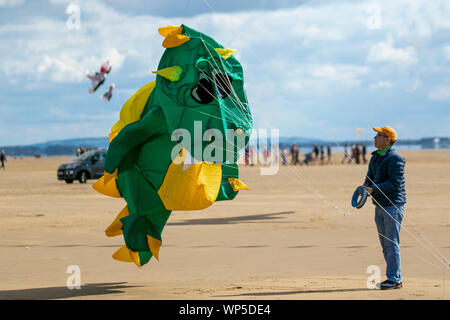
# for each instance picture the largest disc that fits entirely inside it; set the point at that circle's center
(386, 176)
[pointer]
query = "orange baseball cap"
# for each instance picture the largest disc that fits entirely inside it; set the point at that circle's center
(387, 131)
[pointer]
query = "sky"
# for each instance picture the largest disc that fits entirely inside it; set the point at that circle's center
(318, 69)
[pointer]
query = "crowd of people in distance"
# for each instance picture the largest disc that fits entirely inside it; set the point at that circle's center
(323, 155)
(318, 155)
(357, 155)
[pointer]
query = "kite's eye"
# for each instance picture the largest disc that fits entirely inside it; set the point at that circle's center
(203, 93)
(223, 84)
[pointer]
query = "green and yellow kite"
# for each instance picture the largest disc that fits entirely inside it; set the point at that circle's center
(199, 90)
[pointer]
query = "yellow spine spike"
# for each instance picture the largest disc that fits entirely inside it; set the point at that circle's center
(225, 53)
(237, 184)
(108, 176)
(165, 31)
(173, 36)
(107, 188)
(115, 228)
(122, 254)
(172, 73)
(135, 257)
(126, 255)
(175, 40)
(154, 245)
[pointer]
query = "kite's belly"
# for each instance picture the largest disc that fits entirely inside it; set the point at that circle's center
(190, 186)
(178, 184)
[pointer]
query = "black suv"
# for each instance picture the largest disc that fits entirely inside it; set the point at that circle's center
(88, 165)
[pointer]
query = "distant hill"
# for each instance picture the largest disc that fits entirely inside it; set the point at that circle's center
(56, 147)
(77, 142)
(70, 146)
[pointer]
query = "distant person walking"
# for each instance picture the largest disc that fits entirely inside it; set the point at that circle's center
(357, 154)
(364, 151)
(247, 155)
(316, 153)
(328, 153)
(385, 182)
(294, 154)
(352, 153)
(322, 155)
(3, 159)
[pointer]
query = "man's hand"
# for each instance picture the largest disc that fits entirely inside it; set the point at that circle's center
(369, 189)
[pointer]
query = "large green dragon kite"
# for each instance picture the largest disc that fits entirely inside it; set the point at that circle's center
(156, 160)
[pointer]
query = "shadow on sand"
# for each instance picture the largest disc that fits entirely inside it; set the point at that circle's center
(233, 220)
(49, 293)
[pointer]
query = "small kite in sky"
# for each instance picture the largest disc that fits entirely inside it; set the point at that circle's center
(108, 94)
(98, 78)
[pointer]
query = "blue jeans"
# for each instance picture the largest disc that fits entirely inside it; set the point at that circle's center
(388, 226)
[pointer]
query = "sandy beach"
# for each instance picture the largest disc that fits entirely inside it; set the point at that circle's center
(294, 235)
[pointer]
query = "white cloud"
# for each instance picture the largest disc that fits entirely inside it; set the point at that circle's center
(346, 75)
(61, 1)
(324, 72)
(114, 57)
(381, 85)
(69, 67)
(10, 3)
(416, 19)
(293, 86)
(63, 55)
(385, 52)
(440, 93)
(127, 93)
(293, 80)
(46, 50)
(313, 34)
(447, 52)
(415, 84)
